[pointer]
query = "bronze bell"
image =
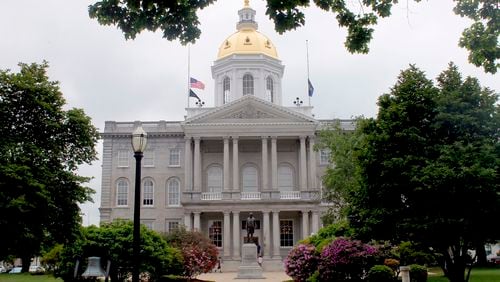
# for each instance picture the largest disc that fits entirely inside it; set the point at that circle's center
(94, 268)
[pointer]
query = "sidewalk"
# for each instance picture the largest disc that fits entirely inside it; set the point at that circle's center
(231, 276)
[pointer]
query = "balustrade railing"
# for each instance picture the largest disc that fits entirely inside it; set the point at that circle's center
(250, 195)
(289, 195)
(211, 196)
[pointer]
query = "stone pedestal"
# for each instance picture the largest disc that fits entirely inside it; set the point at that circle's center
(249, 268)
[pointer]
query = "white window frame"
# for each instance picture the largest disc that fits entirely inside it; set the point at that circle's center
(174, 157)
(226, 89)
(270, 88)
(284, 178)
(286, 239)
(248, 84)
(215, 179)
(324, 156)
(149, 223)
(122, 196)
(149, 158)
(215, 232)
(123, 158)
(245, 187)
(171, 193)
(148, 193)
(169, 225)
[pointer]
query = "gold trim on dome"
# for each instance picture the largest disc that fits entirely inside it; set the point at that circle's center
(247, 42)
(246, 3)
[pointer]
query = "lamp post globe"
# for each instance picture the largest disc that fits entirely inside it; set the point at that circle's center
(139, 141)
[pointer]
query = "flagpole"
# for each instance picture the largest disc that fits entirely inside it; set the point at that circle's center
(189, 74)
(307, 53)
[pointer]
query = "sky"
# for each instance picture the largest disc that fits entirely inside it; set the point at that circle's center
(146, 79)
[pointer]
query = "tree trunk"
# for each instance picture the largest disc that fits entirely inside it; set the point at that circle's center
(481, 254)
(26, 261)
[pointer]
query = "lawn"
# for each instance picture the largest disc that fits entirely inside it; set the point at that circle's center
(27, 278)
(477, 275)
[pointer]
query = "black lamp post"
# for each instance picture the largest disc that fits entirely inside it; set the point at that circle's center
(139, 140)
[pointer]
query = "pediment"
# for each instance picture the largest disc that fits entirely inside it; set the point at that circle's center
(249, 109)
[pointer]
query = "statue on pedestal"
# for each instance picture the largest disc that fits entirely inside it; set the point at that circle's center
(250, 227)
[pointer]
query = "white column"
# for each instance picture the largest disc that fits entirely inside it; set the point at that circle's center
(274, 163)
(305, 224)
(265, 172)
(236, 235)
(315, 222)
(236, 165)
(197, 225)
(276, 234)
(312, 165)
(197, 164)
(227, 234)
(187, 221)
(267, 233)
(227, 185)
(187, 165)
(303, 167)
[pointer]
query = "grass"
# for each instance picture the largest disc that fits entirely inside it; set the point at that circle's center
(491, 274)
(26, 277)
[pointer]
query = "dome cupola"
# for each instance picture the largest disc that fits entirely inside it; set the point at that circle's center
(247, 63)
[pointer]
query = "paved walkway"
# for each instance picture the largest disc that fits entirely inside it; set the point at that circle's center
(231, 276)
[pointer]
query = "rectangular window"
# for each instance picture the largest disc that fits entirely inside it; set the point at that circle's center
(172, 226)
(324, 156)
(215, 232)
(149, 158)
(286, 233)
(123, 157)
(148, 224)
(175, 157)
(148, 196)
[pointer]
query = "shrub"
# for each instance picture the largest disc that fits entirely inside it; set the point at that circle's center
(200, 255)
(412, 253)
(346, 260)
(418, 273)
(392, 264)
(380, 273)
(113, 241)
(301, 262)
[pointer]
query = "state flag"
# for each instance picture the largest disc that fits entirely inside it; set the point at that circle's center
(310, 88)
(192, 94)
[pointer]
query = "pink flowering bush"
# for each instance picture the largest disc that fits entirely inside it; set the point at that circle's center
(301, 262)
(198, 252)
(346, 260)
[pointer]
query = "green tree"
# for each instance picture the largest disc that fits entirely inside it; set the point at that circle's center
(344, 175)
(179, 20)
(41, 147)
(430, 166)
(113, 242)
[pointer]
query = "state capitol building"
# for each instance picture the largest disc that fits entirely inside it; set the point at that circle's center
(247, 154)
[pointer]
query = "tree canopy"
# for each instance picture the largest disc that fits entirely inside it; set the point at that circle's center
(428, 167)
(41, 147)
(179, 20)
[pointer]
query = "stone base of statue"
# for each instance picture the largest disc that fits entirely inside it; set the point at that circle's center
(249, 268)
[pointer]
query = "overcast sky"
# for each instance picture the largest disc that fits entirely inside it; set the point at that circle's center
(145, 79)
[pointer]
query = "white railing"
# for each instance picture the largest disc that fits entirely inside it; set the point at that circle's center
(211, 196)
(289, 195)
(250, 195)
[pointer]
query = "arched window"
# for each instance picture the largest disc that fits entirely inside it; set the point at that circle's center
(270, 89)
(247, 84)
(148, 193)
(173, 192)
(250, 179)
(226, 89)
(122, 192)
(214, 179)
(285, 178)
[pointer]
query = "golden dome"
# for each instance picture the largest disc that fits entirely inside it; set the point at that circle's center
(247, 41)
